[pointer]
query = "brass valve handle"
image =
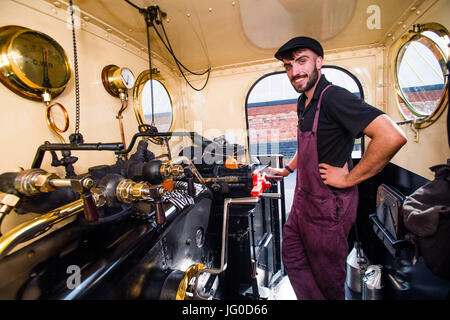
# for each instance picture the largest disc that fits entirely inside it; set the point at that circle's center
(36, 181)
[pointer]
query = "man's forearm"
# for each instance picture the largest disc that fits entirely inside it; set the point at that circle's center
(387, 139)
(293, 163)
(372, 162)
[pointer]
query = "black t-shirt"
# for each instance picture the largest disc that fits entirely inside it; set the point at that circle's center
(343, 116)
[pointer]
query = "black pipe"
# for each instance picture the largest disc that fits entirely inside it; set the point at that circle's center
(195, 137)
(68, 146)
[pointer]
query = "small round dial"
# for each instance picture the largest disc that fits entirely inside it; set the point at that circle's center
(117, 80)
(127, 78)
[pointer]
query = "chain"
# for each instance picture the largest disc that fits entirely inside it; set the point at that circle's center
(77, 82)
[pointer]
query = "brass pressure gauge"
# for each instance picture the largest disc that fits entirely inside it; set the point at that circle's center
(117, 80)
(32, 63)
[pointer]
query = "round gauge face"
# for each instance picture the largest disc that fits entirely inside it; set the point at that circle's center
(36, 63)
(40, 60)
(127, 78)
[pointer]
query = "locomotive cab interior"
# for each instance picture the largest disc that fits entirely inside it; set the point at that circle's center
(138, 137)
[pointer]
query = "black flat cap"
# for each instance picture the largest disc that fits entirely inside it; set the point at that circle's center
(298, 43)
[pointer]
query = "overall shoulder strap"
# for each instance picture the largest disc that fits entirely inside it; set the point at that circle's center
(319, 104)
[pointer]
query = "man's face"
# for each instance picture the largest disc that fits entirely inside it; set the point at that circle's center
(303, 69)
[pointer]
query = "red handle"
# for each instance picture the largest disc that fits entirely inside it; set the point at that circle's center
(260, 184)
(91, 212)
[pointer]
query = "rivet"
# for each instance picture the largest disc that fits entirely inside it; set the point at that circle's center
(418, 12)
(233, 3)
(209, 9)
(57, 4)
(188, 15)
(86, 18)
(109, 29)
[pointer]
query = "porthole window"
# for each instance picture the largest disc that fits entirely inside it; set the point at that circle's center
(157, 113)
(420, 69)
(162, 106)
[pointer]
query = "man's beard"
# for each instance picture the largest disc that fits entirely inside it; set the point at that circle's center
(311, 82)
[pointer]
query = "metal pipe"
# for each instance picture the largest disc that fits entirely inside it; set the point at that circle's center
(224, 249)
(61, 182)
(38, 225)
(37, 161)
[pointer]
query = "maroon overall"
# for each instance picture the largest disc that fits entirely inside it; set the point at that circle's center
(314, 245)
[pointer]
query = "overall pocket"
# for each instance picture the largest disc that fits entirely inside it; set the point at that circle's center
(317, 209)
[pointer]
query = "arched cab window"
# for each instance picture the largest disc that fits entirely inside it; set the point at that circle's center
(420, 68)
(271, 109)
(153, 105)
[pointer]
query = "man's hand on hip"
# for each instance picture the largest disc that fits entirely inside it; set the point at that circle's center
(334, 176)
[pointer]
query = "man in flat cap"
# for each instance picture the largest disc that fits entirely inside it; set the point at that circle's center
(324, 208)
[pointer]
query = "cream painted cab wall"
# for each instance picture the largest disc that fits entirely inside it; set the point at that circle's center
(220, 108)
(432, 146)
(22, 122)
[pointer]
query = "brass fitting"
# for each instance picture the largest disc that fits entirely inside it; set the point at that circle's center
(128, 191)
(169, 170)
(34, 181)
(7, 202)
(99, 197)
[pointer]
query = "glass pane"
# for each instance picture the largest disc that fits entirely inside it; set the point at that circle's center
(342, 79)
(273, 88)
(442, 42)
(420, 75)
(272, 116)
(162, 106)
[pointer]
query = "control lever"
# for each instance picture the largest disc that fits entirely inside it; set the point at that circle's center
(128, 191)
(160, 214)
(190, 181)
(260, 183)
(36, 181)
(271, 195)
(83, 187)
(223, 257)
